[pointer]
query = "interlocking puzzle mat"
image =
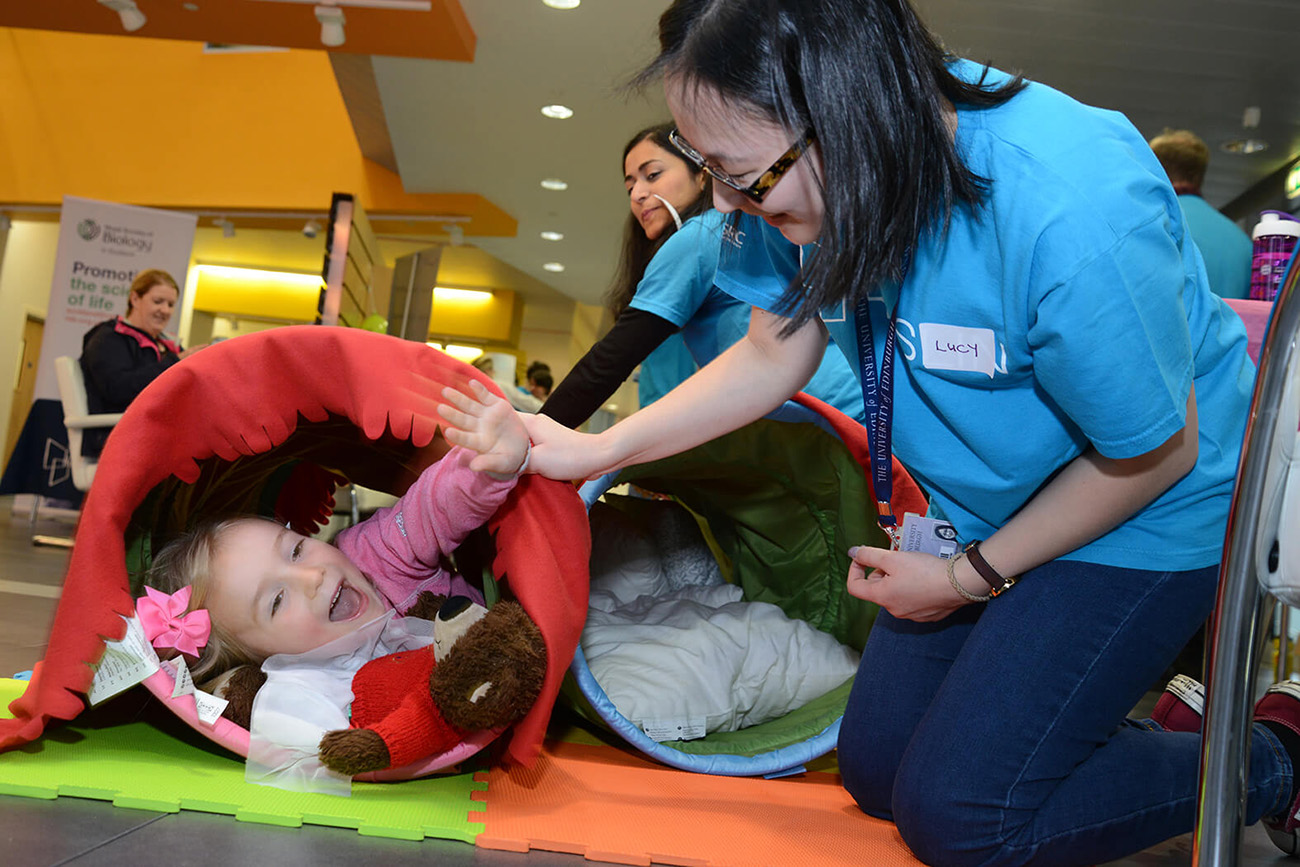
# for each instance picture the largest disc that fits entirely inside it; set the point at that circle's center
(128, 753)
(603, 802)
(610, 805)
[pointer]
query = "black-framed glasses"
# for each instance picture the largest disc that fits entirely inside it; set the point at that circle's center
(761, 187)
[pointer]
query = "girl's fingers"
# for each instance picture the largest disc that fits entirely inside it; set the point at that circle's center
(457, 437)
(460, 400)
(455, 417)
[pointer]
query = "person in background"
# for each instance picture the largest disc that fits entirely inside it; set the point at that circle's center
(1225, 248)
(539, 380)
(504, 376)
(665, 286)
(122, 355)
(1010, 274)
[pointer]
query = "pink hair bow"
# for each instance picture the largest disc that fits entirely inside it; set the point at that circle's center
(167, 625)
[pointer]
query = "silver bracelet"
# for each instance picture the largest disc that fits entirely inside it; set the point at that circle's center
(956, 585)
(528, 453)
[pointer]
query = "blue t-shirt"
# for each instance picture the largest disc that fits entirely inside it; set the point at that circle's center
(1224, 247)
(756, 258)
(679, 285)
(668, 366)
(1070, 309)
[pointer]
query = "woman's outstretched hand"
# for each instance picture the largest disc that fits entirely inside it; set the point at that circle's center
(564, 454)
(487, 424)
(907, 584)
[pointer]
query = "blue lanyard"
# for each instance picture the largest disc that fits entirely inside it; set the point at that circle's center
(878, 401)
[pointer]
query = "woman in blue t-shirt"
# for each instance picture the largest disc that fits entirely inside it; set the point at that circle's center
(1038, 336)
(669, 316)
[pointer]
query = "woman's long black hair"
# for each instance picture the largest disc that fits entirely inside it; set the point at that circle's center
(638, 250)
(869, 78)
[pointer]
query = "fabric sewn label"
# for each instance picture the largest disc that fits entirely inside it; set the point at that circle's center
(124, 663)
(660, 730)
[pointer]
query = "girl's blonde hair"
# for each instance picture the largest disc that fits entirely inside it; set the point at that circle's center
(187, 561)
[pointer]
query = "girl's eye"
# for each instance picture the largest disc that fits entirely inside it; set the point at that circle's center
(653, 175)
(297, 550)
(275, 603)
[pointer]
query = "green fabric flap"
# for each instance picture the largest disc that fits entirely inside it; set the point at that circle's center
(784, 502)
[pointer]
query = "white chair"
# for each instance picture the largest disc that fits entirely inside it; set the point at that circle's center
(77, 418)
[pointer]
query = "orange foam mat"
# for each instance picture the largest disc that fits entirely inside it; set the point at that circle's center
(608, 805)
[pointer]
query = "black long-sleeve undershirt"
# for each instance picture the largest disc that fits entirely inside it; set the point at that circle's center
(636, 334)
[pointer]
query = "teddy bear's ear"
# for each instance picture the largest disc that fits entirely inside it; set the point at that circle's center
(455, 618)
(238, 686)
(426, 606)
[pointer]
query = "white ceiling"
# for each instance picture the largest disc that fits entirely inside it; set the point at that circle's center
(478, 128)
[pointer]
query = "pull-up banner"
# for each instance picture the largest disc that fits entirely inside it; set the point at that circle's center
(102, 246)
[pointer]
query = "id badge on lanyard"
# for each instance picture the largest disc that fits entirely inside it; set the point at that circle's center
(878, 401)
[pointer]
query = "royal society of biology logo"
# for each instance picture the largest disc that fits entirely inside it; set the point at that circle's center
(88, 229)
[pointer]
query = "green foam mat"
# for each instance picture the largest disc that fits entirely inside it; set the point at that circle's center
(133, 752)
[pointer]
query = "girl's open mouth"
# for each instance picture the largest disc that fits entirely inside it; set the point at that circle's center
(347, 603)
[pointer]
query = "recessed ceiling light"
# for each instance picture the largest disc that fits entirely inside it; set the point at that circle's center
(1244, 146)
(554, 184)
(559, 112)
(554, 267)
(562, 4)
(553, 236)
(190, 7)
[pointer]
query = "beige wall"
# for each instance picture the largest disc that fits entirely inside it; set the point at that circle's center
(556, 330)
(24, 288)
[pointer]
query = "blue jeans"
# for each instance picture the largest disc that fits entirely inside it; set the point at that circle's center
(998, 735)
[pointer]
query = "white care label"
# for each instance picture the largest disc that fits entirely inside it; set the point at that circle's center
(955, 347)
(124, 664)
(184, 682)
(660, 730)
(206, 706)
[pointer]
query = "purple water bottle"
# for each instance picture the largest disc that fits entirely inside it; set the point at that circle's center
(1275, 238)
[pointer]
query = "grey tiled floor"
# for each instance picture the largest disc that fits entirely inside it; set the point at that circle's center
(82, 833)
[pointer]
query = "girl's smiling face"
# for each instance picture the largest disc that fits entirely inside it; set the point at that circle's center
(744, 146)
(650, 171)
(278, 592)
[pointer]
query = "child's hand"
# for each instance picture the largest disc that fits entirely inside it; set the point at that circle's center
(488, 425)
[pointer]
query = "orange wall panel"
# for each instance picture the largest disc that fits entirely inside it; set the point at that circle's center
(162, 123)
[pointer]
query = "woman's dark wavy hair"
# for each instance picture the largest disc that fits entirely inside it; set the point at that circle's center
(871, 80)
(638, 250)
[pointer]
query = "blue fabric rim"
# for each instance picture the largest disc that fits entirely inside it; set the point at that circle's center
(722, 764)
(772, 763)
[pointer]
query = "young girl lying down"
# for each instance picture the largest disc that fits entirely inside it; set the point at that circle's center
(311, 614)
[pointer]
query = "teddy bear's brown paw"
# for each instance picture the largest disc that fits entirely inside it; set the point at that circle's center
(354, 751)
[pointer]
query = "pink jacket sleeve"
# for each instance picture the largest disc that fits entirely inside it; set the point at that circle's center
(401, 547)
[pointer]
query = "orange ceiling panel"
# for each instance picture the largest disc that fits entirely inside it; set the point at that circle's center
(441, 33)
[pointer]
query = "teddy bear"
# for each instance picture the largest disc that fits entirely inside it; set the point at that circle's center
(483, 671)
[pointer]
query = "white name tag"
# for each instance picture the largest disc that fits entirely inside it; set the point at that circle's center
(955, 347)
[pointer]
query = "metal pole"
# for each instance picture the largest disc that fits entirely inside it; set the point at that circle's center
(1225, 745)
(1282, 670)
